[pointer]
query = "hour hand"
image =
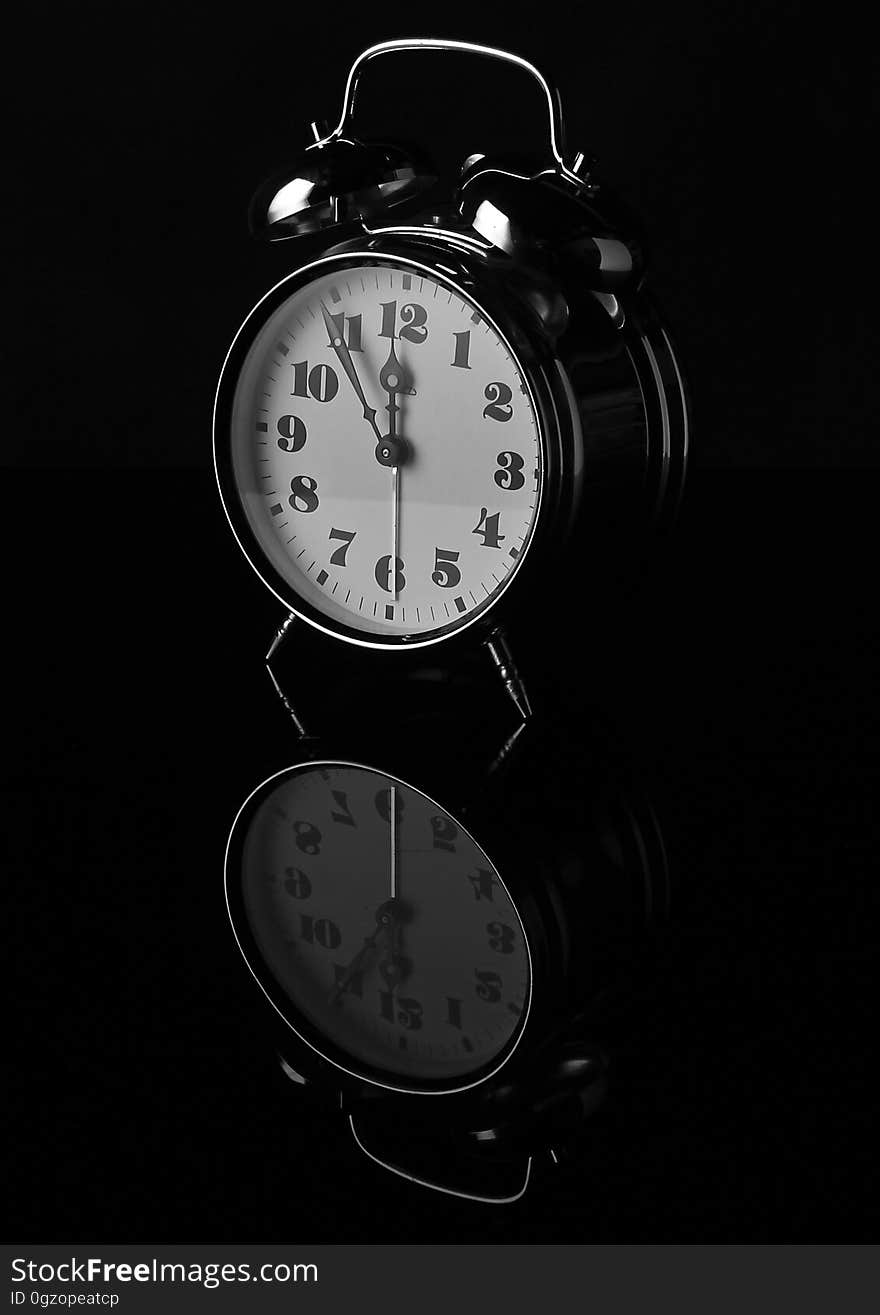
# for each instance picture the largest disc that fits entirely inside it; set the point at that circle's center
(386, 918)
(335, 325)
(357, 963)
(394, 380)
(396, 967)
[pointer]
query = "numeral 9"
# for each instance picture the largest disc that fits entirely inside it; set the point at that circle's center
(308, 837)
(293, 434)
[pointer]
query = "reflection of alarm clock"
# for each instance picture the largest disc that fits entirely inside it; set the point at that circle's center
(409, 423)
(379, 929)
(434, 967)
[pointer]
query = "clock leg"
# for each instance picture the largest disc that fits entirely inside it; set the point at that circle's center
(291, 710)
(506, 749)
(280, 636)
(499, 652)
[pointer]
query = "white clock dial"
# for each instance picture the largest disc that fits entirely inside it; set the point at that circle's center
(400, 945)
(386, 450)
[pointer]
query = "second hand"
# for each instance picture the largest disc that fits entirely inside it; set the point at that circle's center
(393, 381)
(395, 526)
(394, 834)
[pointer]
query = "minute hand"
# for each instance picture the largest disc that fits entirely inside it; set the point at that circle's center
(337, 342)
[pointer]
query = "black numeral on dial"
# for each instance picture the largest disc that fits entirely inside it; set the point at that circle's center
(321, 382)
(337, 558)
(303, 493)
(292, 433)
(509, 473)
(488, 986)
(297, 884)
(445, 573)
(501, 937)
(385, 575)
(344, 815)
(453, 1011)
(414, 320)
(488, 528)
(348, 327)
(445, 834)
(383, 804)
(308, 837)
(319, 931)
(409, 1012)
(483, 882)
(499, 396)
(462, 349)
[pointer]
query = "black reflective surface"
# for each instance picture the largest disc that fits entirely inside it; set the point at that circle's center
(739, 685)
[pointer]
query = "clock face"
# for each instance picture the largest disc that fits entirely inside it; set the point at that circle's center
(378, 927)
(385, 452)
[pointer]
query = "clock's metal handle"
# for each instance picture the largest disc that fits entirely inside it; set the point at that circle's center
(556, 137)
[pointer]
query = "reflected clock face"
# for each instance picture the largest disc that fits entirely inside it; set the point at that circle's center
(378, 927)
(385, 452)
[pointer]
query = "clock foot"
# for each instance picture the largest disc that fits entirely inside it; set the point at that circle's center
(499, 651)
(280, 636)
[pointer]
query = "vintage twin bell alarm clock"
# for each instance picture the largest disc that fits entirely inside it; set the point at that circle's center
(460, 407)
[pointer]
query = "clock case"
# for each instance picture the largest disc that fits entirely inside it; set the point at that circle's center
(556, 263)
(588, 877)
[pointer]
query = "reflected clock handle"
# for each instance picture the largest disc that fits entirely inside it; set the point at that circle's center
(433, 1185)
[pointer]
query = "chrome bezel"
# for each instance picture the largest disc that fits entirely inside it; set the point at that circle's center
(539, 370)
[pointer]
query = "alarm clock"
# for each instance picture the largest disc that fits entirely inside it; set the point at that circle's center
(437, 944)
(459, 400)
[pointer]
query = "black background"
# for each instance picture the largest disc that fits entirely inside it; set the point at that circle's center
(147, 129)
(740, 675)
